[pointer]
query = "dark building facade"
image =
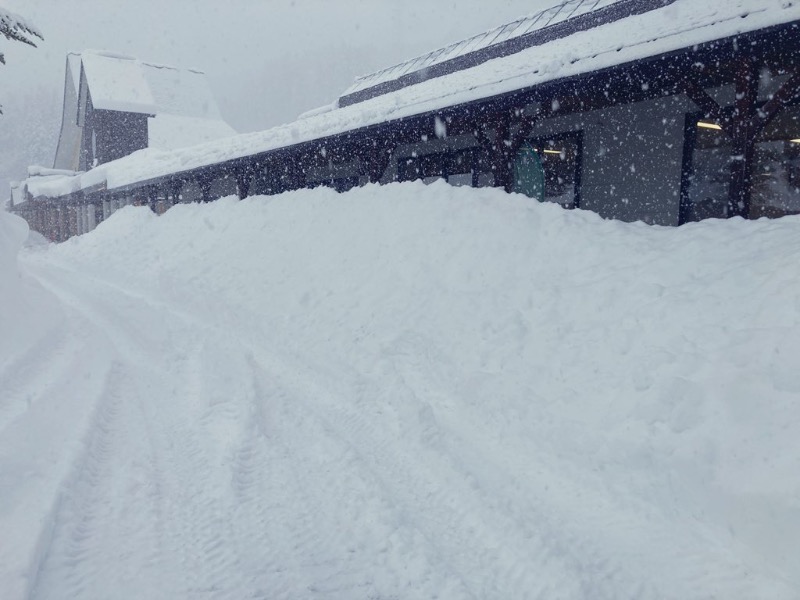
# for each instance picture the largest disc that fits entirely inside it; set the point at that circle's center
(108, 134)
(661, 111)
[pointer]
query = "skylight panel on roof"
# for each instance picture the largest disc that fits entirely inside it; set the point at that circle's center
(517, 30)
(452, 51)
(474, 43)
(411, 65)
(564, 19)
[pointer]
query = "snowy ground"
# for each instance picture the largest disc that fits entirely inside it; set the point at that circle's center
(400, 392)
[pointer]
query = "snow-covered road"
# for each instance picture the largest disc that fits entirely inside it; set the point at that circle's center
(401, 392)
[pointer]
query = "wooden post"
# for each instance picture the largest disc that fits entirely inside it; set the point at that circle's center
(98, 212)
(375, 159)
(204, 182)
(151, 193)
(293, 176)
(243, 177)
(175, 188)
(743, 137)
(501, 153)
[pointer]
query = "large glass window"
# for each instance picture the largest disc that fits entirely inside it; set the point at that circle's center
(707, 194)
(467, 167)
(775, 175)
(776, 171)
(548, 169)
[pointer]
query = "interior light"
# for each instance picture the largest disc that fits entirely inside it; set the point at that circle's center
(553, 151)
(797, 141)
(706, 125)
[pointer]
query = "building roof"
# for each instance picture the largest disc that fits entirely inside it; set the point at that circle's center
(167, 131)
(74, 67)
(559, 21)
(676, 26)
(123, 83)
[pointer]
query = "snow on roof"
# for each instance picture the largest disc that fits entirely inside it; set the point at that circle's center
(39, 171)
(679, 25)
(122, 83)
(74, 67)
(17, 193)
(181, 92)
(118, 84)
(42, 182)
(566, 18)
(169, 132)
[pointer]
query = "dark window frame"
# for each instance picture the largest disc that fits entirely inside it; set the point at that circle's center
(689, 147)
(576, 136)
(440, 164)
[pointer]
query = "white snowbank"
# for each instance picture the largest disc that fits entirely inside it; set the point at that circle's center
(415, 391)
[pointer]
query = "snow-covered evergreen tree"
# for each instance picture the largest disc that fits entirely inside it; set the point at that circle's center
(17, 29)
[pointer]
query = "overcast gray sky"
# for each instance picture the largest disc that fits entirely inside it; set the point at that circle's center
(267, 60)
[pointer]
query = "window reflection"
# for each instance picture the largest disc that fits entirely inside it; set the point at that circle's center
(775, 175)
(548, 169)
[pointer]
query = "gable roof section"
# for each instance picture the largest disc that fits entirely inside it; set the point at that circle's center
(117, 84)
(74, 70)
(559, 21)
(179, 100)
(69, 137)
(125, 84)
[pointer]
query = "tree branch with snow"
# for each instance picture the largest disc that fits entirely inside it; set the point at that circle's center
(17, 29)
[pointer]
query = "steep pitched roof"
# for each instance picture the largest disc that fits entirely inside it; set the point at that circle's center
(69, 138)
(74, 70)
(122, 83)
(180, 100)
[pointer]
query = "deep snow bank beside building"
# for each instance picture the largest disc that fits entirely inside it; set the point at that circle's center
(419, 391)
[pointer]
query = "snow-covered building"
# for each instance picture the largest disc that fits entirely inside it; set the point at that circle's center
(662, 111)
(115, 105)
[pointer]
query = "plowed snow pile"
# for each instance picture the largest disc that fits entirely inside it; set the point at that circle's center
(401, 392)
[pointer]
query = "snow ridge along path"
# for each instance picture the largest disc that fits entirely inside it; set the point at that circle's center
(400, 392)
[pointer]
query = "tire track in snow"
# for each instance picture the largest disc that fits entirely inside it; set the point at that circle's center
(429, 516)
(193, 439)
(102, 499)
(74, 524)
(202, 511)
(188, 518)
(438, 501)
(35, 374)
(568, 541)
(333, 520)
(41, 447)
(310, 456)
(580, 515)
